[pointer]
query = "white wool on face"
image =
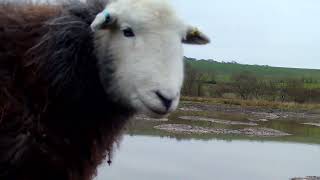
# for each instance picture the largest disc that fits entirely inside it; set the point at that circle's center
(139, 12)
(149, 62)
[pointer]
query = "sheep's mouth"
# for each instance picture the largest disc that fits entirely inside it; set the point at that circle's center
(162, 113)
(153, 110)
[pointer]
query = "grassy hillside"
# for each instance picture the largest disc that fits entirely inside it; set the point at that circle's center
(224, 71)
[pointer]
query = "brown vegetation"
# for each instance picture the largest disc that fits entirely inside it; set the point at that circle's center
(248, 86)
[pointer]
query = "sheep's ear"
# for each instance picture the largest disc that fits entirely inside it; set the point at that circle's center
(194, 36)
(103, 20)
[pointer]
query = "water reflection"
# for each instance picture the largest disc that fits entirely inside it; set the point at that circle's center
(155, 158)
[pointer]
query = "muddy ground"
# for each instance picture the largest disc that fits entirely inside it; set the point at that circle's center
(184, 120)
(188, 129)
(258, 113)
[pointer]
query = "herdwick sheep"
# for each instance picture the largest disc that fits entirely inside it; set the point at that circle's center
(72, 74)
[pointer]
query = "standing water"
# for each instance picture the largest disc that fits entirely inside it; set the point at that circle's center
(158, 158)
(210, 142)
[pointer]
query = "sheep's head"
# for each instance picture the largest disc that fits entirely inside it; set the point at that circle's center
(144, 40)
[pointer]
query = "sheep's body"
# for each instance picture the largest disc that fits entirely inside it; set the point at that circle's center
(70, 79)
(56, 121)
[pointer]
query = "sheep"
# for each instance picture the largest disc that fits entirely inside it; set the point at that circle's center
(72, 75)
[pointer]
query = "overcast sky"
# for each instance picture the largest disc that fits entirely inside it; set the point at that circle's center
(268, 32)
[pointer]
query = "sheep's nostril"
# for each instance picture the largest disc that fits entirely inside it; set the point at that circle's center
(167, 102)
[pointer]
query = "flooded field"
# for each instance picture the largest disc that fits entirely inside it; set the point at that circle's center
(206, 142)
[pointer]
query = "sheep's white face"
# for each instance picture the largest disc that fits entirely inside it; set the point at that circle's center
(144, 40)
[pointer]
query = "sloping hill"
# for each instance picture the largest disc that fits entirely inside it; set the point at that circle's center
(224, 71)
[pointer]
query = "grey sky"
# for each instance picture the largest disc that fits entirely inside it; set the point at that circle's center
(268, 32)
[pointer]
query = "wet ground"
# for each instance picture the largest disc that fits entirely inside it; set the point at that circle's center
(219, 142)
(205, 121)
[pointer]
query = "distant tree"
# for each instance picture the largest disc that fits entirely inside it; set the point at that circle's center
(313, 95)
(205, 78)
(296, 90)
(195, 79)
(244, 84)
(190, 80)
(221, 88)
(263, 89)
(283, 90)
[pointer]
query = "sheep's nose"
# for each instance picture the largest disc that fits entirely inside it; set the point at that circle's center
(167, 102)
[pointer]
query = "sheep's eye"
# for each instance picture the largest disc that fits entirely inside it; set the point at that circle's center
(127, 32)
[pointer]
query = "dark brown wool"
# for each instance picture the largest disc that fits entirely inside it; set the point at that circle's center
(56, 121)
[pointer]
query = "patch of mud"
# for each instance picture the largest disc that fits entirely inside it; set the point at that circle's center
(188, 129)
(312, 124)
(192, 109)
(264, 116)
(219, 121)
(257, 112)
(263, 132)
(259, 120)
(146, 118)
(306, 178)
(183, 128)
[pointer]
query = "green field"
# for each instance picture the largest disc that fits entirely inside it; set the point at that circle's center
(224, 71)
